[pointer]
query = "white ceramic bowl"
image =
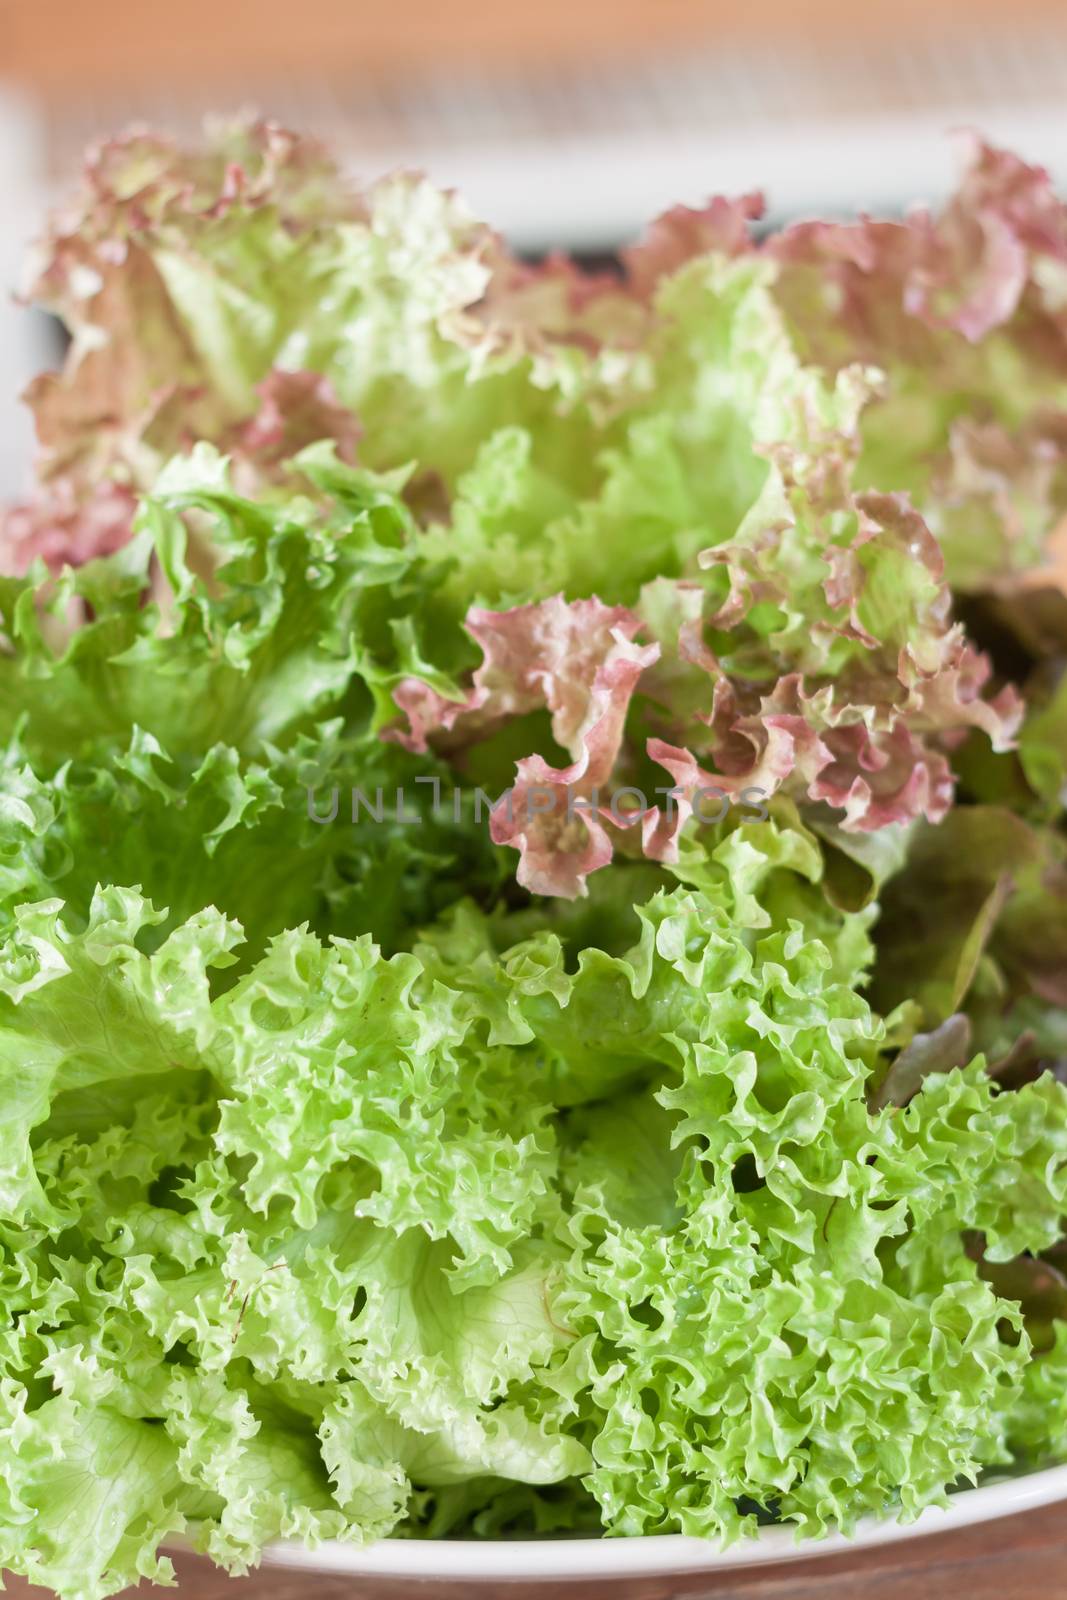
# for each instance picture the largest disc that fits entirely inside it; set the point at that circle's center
(448, 1563)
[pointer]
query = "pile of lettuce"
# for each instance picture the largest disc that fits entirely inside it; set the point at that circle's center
(375, 1162)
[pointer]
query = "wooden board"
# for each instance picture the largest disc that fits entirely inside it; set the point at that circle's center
(56, 45)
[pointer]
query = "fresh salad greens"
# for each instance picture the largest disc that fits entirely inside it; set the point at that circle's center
(533, 880)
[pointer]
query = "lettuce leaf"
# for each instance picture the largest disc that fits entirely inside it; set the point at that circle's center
(335, 1232)
(386, 1152)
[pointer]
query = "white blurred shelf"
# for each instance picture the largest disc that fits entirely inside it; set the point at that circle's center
(23, 345)
(590, 194)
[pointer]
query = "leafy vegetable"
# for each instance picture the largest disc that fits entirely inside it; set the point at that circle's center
(948, 1046)
(420, 1110)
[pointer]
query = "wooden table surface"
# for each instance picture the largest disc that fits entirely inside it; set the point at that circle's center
(55, 46)
(1016, 1558)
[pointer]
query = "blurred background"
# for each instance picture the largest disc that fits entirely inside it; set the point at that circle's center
(567, 123)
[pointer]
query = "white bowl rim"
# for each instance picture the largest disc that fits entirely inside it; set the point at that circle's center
(531, 1560)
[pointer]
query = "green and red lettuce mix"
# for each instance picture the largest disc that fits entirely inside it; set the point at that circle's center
(590, 1165)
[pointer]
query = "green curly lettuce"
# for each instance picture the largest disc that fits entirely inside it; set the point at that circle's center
(309, 1251)
(398, 1137)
